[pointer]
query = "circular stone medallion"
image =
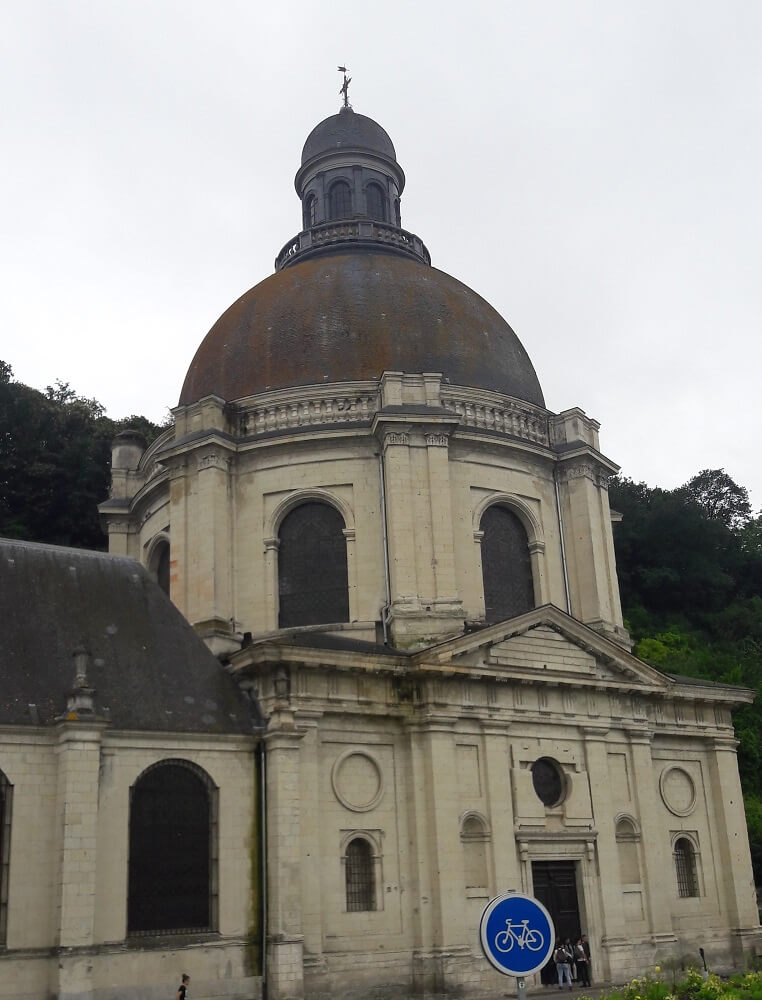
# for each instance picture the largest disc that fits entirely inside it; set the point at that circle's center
(677, 790)
(357, 780)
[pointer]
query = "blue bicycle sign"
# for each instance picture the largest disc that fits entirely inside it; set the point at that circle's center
(517, 934)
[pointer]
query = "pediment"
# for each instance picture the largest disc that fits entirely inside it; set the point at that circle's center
(545, 644)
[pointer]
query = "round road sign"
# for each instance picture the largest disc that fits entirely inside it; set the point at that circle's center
(517, 934)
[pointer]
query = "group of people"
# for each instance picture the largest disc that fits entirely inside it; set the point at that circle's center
(572, 962)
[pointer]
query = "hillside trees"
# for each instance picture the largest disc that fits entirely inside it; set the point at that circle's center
(55, 453)
(690, 570)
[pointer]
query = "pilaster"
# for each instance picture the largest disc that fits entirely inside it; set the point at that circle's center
(285, 960)
(615, 938)
(656, 858)
(734, 866)
(497, 768)
(442, 954)
(79, 752)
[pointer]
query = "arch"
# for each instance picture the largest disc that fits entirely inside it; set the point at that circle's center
(172, 849)
(297, 498)
(376, 202)
(339, 200)
(509, 588)
(522, 510)
(158, 558)
(626, 827)
(6, 804)
(686, 867)
(359, 875)
(313, 578)
(310, 211)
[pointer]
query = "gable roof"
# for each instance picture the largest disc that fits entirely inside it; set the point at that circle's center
(149, 669)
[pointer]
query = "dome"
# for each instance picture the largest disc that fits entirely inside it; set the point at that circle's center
(350, 131)
(351, 316)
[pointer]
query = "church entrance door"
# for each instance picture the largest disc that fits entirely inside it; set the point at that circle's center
(555, 885)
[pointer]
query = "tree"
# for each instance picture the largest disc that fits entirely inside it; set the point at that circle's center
(55, 457)
(720, 498)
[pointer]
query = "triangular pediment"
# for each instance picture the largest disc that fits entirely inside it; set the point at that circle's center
(545, 644)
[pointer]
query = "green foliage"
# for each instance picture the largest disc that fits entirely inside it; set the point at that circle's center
(679, 978)
(55, 455)
(690, 569)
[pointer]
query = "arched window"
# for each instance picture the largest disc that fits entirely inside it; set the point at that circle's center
(172, 850)
(162, 569)
(6, 795)
(397, 217)
(310, 211)
(685, 868)
(158, 564)
(506, 567)
(375, 200)
(340, 201)
(627, 849)
(359, 876)
(474, 838)
(312, 567)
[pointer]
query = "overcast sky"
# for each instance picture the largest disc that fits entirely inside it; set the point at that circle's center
(591, 168)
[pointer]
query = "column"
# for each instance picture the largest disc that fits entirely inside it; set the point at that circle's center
(285, 975)
(79, 755)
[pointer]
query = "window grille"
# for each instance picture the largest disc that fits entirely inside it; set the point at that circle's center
(312, 567)
(685, 866)
(340, 201)
(172, 850)
(506, 566)
(360, 882)
(6, 796)
(376, 203)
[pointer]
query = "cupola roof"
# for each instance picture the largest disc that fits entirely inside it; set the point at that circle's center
(347, 130)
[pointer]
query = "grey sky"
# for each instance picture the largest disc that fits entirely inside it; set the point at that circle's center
(590, 168)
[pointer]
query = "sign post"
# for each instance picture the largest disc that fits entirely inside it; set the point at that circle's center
(517, 936)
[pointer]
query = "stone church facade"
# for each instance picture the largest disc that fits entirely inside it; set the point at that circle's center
(406, 560)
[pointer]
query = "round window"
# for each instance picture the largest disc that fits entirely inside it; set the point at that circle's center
(548, 781)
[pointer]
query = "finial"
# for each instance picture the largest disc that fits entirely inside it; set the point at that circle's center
(345, 86)
(81, 658)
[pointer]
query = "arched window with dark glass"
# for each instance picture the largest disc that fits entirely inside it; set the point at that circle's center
(375, 200)
(310, 211)
(312, 567)
(506, 566)
(685, 868)
(6, 796)
(340, 201)
(359, 876)
(172, 850)
(160, 565)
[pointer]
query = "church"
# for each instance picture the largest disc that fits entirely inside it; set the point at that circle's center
(403, 563)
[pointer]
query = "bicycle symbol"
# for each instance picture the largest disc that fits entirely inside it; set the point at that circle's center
(533, 940)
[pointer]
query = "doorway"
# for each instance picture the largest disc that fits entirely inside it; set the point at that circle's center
(555, 885)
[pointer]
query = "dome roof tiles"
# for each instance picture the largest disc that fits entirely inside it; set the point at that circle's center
(350, 317)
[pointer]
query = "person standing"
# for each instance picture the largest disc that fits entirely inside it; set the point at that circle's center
(562, 959)
(182, 989)
(580, 956)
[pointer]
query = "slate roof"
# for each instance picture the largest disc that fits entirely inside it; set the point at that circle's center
(149, 668)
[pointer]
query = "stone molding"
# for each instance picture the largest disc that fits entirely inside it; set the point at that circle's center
(596, 473)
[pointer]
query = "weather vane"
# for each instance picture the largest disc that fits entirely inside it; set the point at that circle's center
(345, 86)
